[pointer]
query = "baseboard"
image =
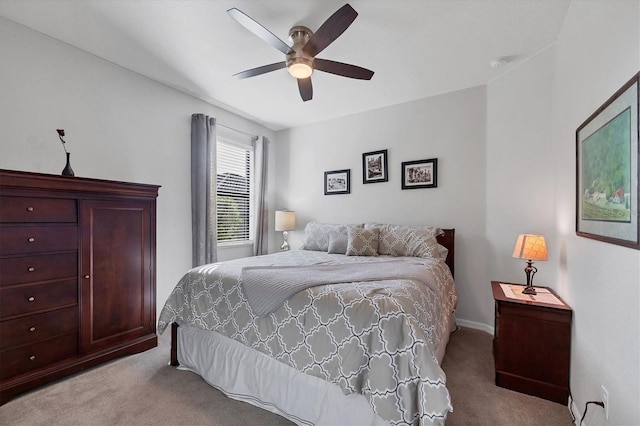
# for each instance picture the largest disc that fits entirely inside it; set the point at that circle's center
(573, 408)
(475, 325)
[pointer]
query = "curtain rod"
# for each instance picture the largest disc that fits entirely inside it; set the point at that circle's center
(236, 130)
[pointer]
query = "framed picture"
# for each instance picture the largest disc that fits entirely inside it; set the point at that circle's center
(420, 174)
(374, 167)
(607, 176)
(337, 182)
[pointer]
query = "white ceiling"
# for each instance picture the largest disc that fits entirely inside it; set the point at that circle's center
(417, 48)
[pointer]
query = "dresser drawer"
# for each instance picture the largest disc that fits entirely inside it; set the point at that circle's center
(37, 239)
(34, 209)
(26, 269)
(24, 299)
(35, 328)
(31, 357)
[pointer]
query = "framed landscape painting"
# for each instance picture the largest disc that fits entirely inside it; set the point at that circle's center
(337, 182)
(607, 154)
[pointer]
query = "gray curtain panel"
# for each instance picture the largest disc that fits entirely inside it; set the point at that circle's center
(261, 231)
(203, 190)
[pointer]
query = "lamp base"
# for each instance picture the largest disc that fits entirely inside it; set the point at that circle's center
(285, 244)
(530, 270)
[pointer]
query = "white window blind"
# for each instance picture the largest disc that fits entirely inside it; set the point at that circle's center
(234, 192)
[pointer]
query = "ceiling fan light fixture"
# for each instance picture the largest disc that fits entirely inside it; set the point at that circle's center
(300, 68)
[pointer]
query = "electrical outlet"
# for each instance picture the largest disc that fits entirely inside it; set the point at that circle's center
(605, 400)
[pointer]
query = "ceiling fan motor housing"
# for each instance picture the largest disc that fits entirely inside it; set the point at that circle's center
(299, 36)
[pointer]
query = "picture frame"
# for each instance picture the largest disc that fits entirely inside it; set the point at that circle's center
(374, 167)
(607, 156)
(420, 174)
(337, 182)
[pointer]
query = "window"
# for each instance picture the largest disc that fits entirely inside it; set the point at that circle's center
(234, 186)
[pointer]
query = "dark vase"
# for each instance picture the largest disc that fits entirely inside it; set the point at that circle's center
(68, 171)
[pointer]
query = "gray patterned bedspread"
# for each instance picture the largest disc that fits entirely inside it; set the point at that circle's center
(383, 339)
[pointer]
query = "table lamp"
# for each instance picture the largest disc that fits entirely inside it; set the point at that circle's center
(285, 221)
(530, 247)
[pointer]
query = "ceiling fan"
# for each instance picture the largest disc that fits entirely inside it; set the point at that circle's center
(301, 58)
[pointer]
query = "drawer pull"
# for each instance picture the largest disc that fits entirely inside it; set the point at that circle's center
(31, 299)
(32, 329)
(31, 269)
(32, 357)
(29, 209)
(31, 239)
(86, 276)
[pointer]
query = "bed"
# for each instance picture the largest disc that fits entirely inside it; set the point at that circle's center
(350, 329)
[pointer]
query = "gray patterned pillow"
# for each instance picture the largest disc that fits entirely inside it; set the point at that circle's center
(428, 247)
(412, 241)
(316, 235)
(362, 242)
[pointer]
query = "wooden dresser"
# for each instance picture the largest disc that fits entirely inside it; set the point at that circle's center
(532, 344)
(77, 275)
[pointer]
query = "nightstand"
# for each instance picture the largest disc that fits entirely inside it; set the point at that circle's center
(532, 343)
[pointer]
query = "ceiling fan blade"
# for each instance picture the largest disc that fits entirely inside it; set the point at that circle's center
(330, 30)
(259, 30)
(344, 70)
(261, 70)
(306, 88)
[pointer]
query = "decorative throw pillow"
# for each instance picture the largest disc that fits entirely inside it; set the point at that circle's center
(415, 241)
(362, 242)
(338, 243)
(316, 235)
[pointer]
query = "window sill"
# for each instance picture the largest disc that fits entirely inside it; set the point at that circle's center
(235, 244)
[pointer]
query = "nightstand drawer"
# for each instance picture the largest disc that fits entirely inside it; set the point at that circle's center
(37, 239)
(537, 313)
(31, 357)
(35, 328)
(33, 209)
(26, 269)
(24, 299)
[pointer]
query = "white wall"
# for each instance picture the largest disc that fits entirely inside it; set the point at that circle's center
(119, 125)
(520, 171)
(597, 52)
(450, 127)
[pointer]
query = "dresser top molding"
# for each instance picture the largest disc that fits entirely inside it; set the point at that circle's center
(40, 181)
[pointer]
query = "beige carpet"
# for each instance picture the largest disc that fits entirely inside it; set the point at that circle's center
(143, 390)
(478, 401)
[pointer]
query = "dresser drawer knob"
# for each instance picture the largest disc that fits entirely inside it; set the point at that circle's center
(32, 329)
(86, 277)
(29, 209)
(31, 239)
(31, 269)
(31, 299)
(32, 357)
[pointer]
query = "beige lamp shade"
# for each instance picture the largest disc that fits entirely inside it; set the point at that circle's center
(530, 247)
(285, 220)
